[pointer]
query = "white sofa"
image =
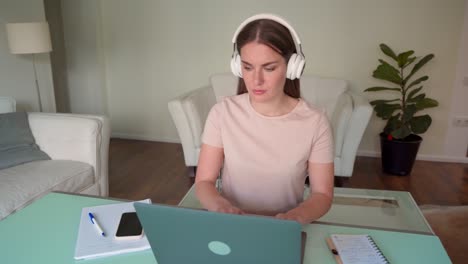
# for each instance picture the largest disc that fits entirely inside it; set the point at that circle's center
(78, 147)
(348, 112)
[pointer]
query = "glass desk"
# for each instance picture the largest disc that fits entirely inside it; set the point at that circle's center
(46, 230)
(385, 210)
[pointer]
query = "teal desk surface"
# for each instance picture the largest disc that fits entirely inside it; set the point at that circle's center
(45, 232)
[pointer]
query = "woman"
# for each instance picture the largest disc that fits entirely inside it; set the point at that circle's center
(266, 139)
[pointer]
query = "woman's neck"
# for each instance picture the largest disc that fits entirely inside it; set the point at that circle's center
(281, 106)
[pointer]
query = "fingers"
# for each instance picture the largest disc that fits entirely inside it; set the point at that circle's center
(281, 216)
(289, 216)
(228, 209)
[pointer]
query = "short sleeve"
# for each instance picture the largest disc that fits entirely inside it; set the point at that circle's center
(322, 145)
(212, 131)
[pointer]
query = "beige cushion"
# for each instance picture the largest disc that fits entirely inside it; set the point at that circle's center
(224, 84)
(450, 224)
(23, 184)
(322, 92)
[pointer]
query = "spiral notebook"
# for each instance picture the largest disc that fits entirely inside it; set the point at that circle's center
(355, 249)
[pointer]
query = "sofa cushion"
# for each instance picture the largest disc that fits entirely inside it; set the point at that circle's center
(21, 185)
(17, 145)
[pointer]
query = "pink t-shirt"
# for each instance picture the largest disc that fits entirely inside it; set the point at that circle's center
(266, 158)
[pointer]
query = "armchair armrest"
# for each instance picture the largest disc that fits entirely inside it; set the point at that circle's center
(82, 138)
(357, 124)
(189, 112)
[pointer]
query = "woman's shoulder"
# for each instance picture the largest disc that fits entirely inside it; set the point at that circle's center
(230, 105)
(307, 109)
(232, 101)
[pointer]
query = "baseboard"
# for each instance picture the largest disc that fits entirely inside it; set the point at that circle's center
(368, 153)
(143, 137)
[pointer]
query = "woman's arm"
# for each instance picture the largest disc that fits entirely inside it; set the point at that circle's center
(209, 166)
(318, 203)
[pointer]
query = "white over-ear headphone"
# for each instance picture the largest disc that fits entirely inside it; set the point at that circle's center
(296, 62)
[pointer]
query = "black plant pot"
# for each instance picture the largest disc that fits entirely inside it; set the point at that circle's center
(398, 155)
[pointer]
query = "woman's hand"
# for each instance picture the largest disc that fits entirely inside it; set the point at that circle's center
(295, 215)
(310, 210)
(224, 206)
(320, 198)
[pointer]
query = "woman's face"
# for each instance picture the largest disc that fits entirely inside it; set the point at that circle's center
(263, 71)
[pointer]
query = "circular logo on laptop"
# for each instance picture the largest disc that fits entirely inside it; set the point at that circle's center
(219, 248)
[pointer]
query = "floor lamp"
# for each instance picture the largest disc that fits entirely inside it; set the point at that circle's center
(30, 38)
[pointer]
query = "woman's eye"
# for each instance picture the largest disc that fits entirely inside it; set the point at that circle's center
(247, 68)
(270, 69)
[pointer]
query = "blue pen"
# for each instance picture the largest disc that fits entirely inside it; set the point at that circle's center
(96, 224)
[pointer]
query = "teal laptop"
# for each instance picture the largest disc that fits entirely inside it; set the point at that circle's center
(183, 235)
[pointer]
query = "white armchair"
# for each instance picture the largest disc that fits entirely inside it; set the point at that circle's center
(348, 112)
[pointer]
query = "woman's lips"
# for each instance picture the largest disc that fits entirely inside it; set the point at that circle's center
(258, 91)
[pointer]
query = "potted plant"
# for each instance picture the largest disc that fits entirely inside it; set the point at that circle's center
(399, 140)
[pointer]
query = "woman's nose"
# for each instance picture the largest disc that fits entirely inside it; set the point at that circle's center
(258, 77)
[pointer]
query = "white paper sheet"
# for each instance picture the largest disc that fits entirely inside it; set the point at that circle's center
(90, 244)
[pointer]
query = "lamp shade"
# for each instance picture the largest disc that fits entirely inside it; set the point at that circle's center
(28, 38)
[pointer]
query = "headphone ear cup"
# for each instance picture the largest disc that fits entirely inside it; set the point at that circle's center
(236, 65)
(292, 67)
(300, 66)
(296, 65)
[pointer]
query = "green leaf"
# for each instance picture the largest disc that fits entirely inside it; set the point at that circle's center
(402, 58)
(426, 103)
(408, 113)
(419, 65)
(392, 124)
(387, 72)
(379, 88)
(417, 98)
(390, 66)
(418, 81)
(410, 60)
(385, 111)
(420, 124)
(401, 132)
(413, 92)
(376, 102)
(388, 51)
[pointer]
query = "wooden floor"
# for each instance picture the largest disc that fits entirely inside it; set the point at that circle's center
(144, 169)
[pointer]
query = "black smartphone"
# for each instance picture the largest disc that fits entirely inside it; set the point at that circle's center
(129, 227)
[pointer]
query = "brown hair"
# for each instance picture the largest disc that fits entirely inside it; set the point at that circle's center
(275, 36)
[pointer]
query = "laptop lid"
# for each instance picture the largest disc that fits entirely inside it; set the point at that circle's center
(183, 235)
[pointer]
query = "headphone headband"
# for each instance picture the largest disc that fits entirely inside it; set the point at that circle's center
(275, 18)
(295, 64)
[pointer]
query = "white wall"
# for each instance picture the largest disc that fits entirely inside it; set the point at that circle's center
(156, 50)
(53, 13)
(86, 74)
(456, 144)
(16, 71)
